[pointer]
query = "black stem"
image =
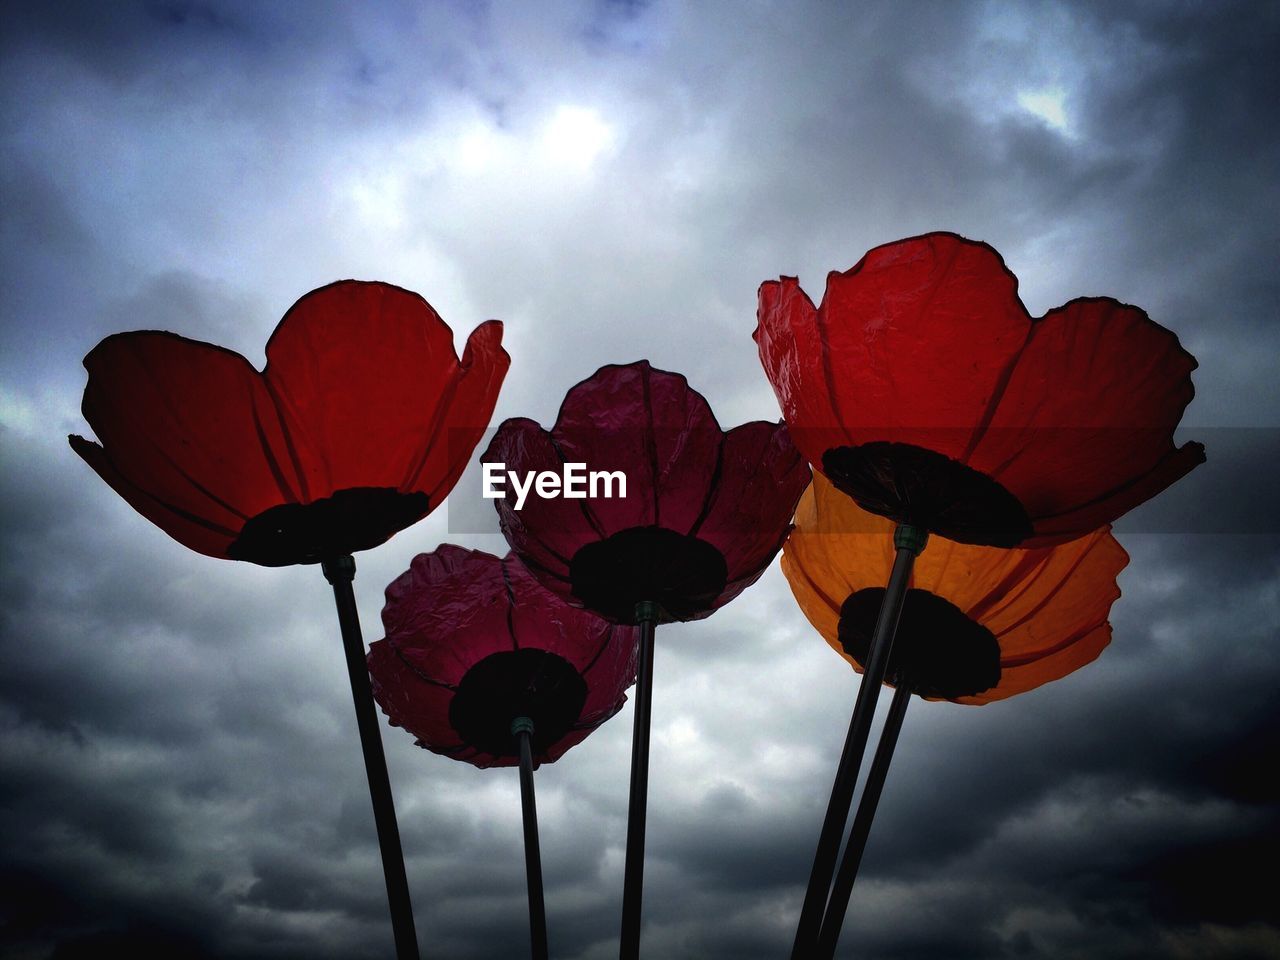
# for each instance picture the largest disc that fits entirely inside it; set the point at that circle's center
(842, 889)
(909, 541)
(340, 573)
(532, 852)
(633, 882)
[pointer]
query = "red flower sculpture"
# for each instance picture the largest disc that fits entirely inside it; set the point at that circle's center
(473, 642)
(704, 514)
(359, 425)
(924, 390)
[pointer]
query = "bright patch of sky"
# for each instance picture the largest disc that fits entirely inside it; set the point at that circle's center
(575, 136)
(1049, 105)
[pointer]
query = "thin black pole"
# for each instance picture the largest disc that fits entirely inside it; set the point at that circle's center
(633, 882)
(909, 541)
(340, 573)
(522, 728)
(841, 890)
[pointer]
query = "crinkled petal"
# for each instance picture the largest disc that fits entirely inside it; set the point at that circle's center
(603, 653)
(796, 362)
(1087, 417)
(411, 701)
(190, 426)
(463, 414)
(449, 611)
(544, 532)
(919, 337)
(362, 372)
(649, 425)
(748, 514)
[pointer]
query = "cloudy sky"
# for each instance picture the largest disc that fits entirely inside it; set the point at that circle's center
(180, 769)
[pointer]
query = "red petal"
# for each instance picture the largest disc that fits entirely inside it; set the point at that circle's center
(409, 701)
(1084, 428)
(792, 354)
(463, 414)
(545, 531)
(191, 531)
(361, 369)
(448, 612)
(761, 479)
(603, 654)
(653, 427)
(919, 337)
(189, 425)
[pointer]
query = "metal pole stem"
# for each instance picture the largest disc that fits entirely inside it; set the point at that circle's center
(633, 882)
(522, 727)
(829, 935)
(909, 541)
(340, 573)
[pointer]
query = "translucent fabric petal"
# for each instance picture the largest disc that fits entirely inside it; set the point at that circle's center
(788, 337)
(1091, 441)
(360, 371)
(189, 435)
(652, 427)
(748, 515)
(463, 415)
(561, 524)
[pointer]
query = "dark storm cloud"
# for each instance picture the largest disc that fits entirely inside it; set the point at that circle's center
(181, 775)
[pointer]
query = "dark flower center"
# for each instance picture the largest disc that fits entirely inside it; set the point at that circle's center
(939, 651)
(517, 683)
(680, 573)
(914, 485)
(354, 519)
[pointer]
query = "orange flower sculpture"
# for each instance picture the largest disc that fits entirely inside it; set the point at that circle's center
(978, 623)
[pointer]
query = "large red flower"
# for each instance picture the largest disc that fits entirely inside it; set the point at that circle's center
(705, 511)
(473, 642)
(923, 389)
(359, 425)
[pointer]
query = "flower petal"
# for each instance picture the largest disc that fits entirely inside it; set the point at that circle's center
(650, 425)
(447, 612)
(1082, 650)
(603, 654)
(203, 536)
(410, 701)
(190, 426)
(761, 478)
(545, 532)
(919, 337)
(1089, 412)
(358, 370)
(472, 637)
(796, 361)
(462, 414)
